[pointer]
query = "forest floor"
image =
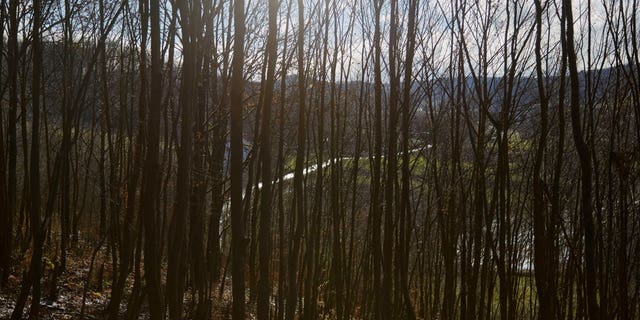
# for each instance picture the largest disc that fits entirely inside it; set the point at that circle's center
(70, 287)
(68, 301)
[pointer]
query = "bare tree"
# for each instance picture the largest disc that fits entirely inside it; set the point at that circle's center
(584, 156)
(150, 173)
(264, 283)
(238, 241)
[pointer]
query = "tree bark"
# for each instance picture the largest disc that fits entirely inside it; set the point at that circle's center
(238, 241)
(584, 157)
(151, 174)
(264, 280)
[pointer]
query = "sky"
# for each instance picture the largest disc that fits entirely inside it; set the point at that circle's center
(435, 33)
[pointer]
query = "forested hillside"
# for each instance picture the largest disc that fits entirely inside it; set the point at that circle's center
(320, 159)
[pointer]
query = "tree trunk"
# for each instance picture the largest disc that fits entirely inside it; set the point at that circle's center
(376, 212)
(238, 241)
(151, 174)
(584, 156)
(298, 221)
(31, 280)
(264, 280)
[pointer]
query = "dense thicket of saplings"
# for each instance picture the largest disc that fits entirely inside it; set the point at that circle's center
(320, 159)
